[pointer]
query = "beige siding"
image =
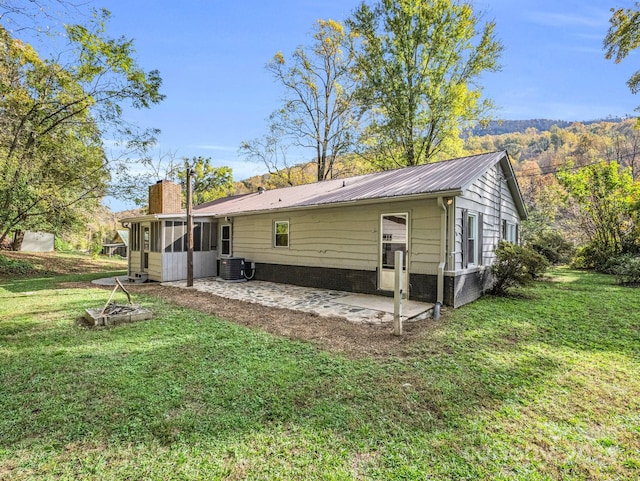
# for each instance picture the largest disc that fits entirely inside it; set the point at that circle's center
(340, 237)
(425, 238)
(134, 262)
(155, 266)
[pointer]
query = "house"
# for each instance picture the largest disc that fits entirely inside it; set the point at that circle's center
(119, 244)
(447, 217)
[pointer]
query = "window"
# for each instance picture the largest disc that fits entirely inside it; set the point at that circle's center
(510, 232)
(472, 244)
(225, 238)
(394, 238)
(472, 225)
(281, 233)
(145, 238)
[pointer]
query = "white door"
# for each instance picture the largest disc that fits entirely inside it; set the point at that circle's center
(144, 267)
(394, 232)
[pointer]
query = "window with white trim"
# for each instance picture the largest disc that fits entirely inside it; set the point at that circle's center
(225, 240)
(472, 239)
(281, 233)
(511, 232)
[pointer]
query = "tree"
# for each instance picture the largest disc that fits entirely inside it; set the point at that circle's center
(418, 64)
(209, 182)
(622, 37)
(52, 163)
(318, 111)
(607, 199)
(272, 151)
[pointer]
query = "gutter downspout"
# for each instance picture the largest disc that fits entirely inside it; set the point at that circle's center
(443, 250)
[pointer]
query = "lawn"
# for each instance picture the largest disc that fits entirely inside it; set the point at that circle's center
(545, 385)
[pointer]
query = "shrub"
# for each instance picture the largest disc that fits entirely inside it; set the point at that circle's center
(516, 266)
(95, 249)
(61, 245)
(10, 266)
(553, 246)
(591, 256)
(626, 268)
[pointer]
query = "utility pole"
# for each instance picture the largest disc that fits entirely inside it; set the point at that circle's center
(190, 173)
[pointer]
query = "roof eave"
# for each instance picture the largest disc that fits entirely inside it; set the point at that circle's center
(377, 200)
(512, 182)
(155, 217)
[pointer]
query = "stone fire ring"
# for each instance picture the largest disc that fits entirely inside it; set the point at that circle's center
(99, 318)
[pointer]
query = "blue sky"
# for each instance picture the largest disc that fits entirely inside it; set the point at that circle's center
(211, 56)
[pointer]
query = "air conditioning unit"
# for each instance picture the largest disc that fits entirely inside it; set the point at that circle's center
(232, 268)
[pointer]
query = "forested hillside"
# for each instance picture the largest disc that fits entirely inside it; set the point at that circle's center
(579, 182)
(497, 127)
(534, 152)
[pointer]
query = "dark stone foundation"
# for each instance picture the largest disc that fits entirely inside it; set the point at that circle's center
(422, 287)
(464, 288)
(349, 280)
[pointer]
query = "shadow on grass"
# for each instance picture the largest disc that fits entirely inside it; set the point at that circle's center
(19, 285)
(185, 378)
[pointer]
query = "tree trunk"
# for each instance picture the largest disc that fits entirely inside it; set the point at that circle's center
(18, 237)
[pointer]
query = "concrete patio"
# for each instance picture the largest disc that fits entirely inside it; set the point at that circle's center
(357, 308)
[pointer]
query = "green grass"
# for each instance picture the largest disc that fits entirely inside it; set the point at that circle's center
(545, 386)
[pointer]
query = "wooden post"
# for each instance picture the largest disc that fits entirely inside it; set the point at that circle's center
(189, 228)
(397, 294)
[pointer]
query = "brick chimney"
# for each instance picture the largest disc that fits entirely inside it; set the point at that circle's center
(165, 197)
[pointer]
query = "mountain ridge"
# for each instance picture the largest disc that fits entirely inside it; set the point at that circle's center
(499, 127)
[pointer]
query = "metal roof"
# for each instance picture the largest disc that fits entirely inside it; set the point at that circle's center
(449, 176)
(124, 235)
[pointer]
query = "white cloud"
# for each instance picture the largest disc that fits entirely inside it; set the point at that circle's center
(597, 19)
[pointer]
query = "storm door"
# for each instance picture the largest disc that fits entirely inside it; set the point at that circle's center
(393, 237)
(145, 249)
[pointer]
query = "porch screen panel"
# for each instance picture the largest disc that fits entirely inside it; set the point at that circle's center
(180, 235)
(135, 237)
(206, 236)
(175, 235)
(168, 235)
(213, 236)
(156, 237)
(197, 236)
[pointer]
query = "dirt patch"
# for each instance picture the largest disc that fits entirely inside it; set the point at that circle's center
(335, 334)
